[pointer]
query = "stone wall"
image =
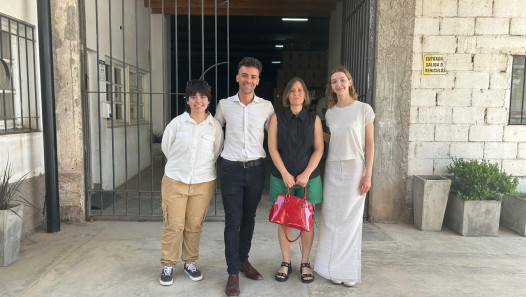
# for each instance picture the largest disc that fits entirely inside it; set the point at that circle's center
(464, 113)
(66, 45)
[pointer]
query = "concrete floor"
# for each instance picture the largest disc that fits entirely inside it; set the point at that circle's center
(115, 258)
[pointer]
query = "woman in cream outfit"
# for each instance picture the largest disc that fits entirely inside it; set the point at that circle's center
(347, 178)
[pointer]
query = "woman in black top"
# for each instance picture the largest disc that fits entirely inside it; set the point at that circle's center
(295, 143)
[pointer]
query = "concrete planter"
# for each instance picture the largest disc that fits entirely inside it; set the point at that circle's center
(430, 193)
(10, 230)
(473, 217)
(514, 213)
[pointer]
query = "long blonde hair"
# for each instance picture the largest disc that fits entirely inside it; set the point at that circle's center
(332, 99)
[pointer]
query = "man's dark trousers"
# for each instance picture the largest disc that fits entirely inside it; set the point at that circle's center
(241, 189)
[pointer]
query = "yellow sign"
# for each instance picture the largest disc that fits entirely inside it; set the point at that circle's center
(433, 64)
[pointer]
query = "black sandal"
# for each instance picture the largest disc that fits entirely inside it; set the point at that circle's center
(284, 277)
(305, 276)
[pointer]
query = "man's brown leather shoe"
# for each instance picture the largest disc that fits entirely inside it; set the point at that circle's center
(249, 271)
(232, 285)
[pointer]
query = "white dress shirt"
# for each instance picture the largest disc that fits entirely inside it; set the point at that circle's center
(191, 149)
(244, 127)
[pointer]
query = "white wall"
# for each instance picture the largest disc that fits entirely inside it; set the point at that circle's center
(123, 49)
(465, 113)
(24, 150)
(335, 37)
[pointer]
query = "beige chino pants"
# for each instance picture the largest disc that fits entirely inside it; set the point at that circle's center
(184, 210)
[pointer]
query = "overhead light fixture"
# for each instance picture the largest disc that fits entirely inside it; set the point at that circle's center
(279, 45)
(294, 19)
(276, 62)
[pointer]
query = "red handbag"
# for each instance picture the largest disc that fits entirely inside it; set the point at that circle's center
(293, 212)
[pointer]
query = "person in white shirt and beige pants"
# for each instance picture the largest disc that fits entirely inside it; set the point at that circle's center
(191, 143)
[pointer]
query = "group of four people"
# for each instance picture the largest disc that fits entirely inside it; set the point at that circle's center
(193, 141)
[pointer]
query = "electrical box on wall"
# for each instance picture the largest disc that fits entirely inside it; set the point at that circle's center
(106, 110)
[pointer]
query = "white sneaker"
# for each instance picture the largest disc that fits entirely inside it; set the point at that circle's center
(336, 282)
(349, 284)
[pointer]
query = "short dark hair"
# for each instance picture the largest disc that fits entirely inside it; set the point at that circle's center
(195, 86)
(250, 62)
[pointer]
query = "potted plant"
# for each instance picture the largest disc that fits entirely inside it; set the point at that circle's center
(157, 152)
(473, 207)
(11, 213)
(430, 193)
(514, 212)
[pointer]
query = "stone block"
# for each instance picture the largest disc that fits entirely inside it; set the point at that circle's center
(417, 62)
(514, 213)
(500, 150)
(439, 8)
(496, 115)
(10, 232)
(486, 133)
(419, 7)
(468, 115)
(422, 132)
(411, 150)
(420, 166)
(510, 44)
(472, 80)
(413, 116)
(472, 217)
(417, 45)
(455, 97)
(430, 195)
(434, 114)
(514, 167)
(431, 150)
(515, 133)
(450, 132)
(467, 150)
(521, 154)
(436, 81)
(518, 26)
(440, 166)
(467, 44)
(491, 62)
(492, 26)
(439, 44)
(510, 8)
(488, 98)
(458, 62)
(426, 26)
(500, 80)
(415, 79)
(475, 8)
(423, 97)
(457, 26)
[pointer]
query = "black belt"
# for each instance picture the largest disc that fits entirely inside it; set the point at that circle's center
(247, 164)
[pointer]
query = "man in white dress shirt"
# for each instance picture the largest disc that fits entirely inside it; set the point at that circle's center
(243, 168)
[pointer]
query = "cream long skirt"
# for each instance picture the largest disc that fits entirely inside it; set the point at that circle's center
(339, 255)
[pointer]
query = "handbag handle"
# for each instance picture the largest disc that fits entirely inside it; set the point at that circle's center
(304, 193)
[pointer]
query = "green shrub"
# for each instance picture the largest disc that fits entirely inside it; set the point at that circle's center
(519, 194)
(474, 180)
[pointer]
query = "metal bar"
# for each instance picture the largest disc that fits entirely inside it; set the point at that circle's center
(35, 79)
(150, 96)
(12, 80)
(98, 99)
(189, 44)
(112, 120)
(216, 101)
(163, 72)
(523, 90)
(124, 99)
(27, 79)
(176, 61)
(137, 103)
(3, 91)
(202, 37)
(19, 78)
(48, 115)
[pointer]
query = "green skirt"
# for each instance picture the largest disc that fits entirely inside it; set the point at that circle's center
(314, 189)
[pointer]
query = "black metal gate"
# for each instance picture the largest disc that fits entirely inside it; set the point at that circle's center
(358, 44)
(133, 87)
